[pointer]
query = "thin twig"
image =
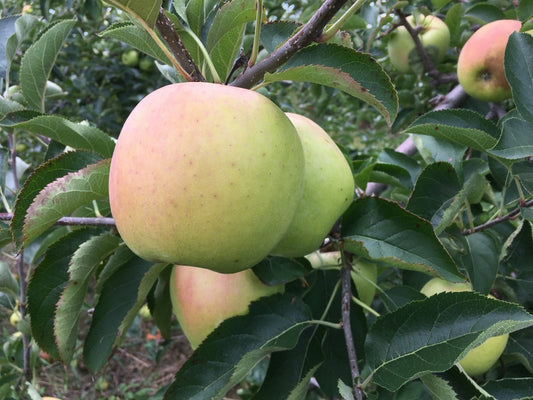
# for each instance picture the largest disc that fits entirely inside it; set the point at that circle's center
(84, 221)
(346, 324)
(309, 33)
(168, 33)
(512, 214)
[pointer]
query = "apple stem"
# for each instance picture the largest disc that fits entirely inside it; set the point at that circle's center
(346, 281)
(364, 306)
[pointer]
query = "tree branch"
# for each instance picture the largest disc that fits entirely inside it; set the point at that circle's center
(309, 33)
(499, 220)
(346, 281)
(83, 221)
(168, 33)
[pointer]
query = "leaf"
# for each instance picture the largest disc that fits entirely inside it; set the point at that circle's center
(516, 141)
(8, 283)
(483, 12)
(274, 33)
(464, 127)
(345, 69)
(226, 32)
(46, 173)
(389, 156)
(524, 171)
(433, 334)
(84, 263)
(273, 324)
(23, 26)
(279, 270)
(519, 56)
(46, 285)
(63, 196)
(481, 260)
(510, 388)
(160, 304)
(197, 13)
(438, 387)
(117, 297)
(7, 28)
(142, 10)
(136, 37)
(383, 231)
(79, 136)
(38, 61)
(520, 345)
(437, 183)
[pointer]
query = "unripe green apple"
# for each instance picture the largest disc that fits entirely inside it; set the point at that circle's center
(434, 33)
(202, 299)
(364, 273)
(205, 175)
(327, 193)
(481, 358)
(480, 68)
(130, 58)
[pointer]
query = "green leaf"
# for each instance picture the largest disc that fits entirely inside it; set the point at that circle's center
(438, 387)
(437, 183)
(464, 127)
(453, 21)
(46, 285)
(381, 230)
(525, 10)
(510, 388)
(64, 195)
(142, 10)
(516, 141)
(484, 12)
(273, 324)
(79, 136)
(433, 334)
(84, 263)
(524, 171)
(45, 174)
(136, 37)
(345, 391)
(274, 33)
(389, 156)
(279, 270)
(160, 304)
(118, 296)
(520, 345)
(8, 283)
(481, 260)
(224, 39)
(345, 69)
(38, 61)
(23, 26)
(7, 28)
(519, 53)
(197, 13)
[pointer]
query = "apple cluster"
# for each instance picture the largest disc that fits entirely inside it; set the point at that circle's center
(213, 179)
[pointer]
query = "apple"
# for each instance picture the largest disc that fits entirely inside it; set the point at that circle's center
(15, 318)
(364, 273)
(202, 299)
(130, 58)
(434, 34)
(328, 190)
(205, 175)
(481, 358)
(480, 68)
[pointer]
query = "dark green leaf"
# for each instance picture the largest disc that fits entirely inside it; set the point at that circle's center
(273, 324)
(345, 69)
(516, 141)
(525, 9)
(481, 260)
(7, 28)
(38, 61)
(142, 10)
(433, 334)
(46, 173)
(8, 283)
(279, 270)
(383, 231)
(390, 156)
(46, 285)
(117, 297)
(518, 53)
(511, 388)
(484, 12)
(520, 345)
(274, 33)
(160, 304)
(524, 171)
(464, 127)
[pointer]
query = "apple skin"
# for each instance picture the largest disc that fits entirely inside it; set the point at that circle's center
(365, 274)
(480, 68)
(130, 58)
(328, 190)
(202, 299)
(434, 33)
(481, 358)
(205, 175)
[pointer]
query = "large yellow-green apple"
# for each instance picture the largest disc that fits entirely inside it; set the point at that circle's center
(433, 34)
(481, 358)
(202, 299)
(364, 274)
(206, 175)
(328, 190)
(480, 68)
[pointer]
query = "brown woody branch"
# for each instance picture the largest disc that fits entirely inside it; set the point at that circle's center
(308, 34)
(511, 215)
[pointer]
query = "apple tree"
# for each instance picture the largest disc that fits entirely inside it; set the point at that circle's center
(443, 188)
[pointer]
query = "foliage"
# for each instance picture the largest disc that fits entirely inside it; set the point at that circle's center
(458, 208)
